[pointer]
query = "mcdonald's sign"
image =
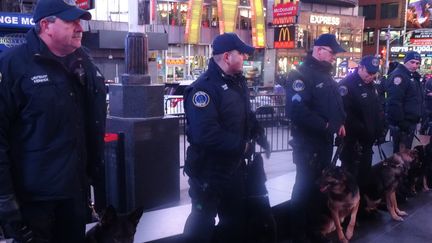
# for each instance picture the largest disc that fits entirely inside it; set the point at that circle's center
(284, 37)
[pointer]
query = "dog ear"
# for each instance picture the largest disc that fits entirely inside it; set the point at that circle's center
(109, 216)
(135, 216)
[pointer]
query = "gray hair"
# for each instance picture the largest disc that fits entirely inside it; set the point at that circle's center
(50, 19)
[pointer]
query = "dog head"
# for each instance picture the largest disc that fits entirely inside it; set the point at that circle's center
(115, 228)
(337, 180)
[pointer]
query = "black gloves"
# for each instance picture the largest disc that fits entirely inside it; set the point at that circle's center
(11, 221)
(262, 141)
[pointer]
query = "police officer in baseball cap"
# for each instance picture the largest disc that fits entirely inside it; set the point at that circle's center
(404, 101)
(315, 108)
(365, 119)
(220, 124)
(53, 101)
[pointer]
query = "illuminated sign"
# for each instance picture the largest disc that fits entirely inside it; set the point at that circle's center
(85, 4)
(193, 22)
(16, 20)
(258, 23)
(285, 20)
(178, 61)
(285, 9)
(227, 12)
(285, 13)
(341, 3)
(9, 40)
(321, 19)
(421, 37)
(284, 37)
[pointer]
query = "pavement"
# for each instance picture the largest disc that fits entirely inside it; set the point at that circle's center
(166, 225)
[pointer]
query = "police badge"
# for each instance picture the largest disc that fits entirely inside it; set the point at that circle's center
(397, 80)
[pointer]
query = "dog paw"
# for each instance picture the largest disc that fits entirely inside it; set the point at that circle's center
(402, 213)
(426, 189)
(397, 218)
(343, 240)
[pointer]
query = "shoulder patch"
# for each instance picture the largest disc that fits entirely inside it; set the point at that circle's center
(397, 80)
(296, 97)
(201, 99)
(298, 85)
(343, 90)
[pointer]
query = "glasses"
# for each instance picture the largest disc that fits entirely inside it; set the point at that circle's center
(329, 51)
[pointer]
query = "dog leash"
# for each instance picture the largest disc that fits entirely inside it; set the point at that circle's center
(338, 151)
(381, 152)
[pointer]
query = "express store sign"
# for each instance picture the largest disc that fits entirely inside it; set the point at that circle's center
(285, 13)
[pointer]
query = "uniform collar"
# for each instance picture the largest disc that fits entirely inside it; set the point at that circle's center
(215, 70)
(320, 66)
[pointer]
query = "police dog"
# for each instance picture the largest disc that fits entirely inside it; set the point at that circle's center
(114, 228)
(386, 176)
(343, 199)
(418, 173)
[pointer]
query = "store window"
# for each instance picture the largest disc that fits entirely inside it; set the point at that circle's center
(210, 16)
(368, 37)
(244, 18)
(368, 11)
(389, 10)
(172, 13)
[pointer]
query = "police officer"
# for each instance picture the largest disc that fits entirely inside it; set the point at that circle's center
(365, 118)
(220, 124)
(316, 110)
(404, 100)
(52, 101)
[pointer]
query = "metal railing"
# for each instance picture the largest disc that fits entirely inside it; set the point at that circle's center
(269, 110)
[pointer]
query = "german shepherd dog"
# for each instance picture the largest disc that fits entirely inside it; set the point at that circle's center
(385, 178)
(418, 173)
(114, 228)
(343, 200)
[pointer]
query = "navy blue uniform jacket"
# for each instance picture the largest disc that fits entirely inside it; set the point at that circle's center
(313, 102)
(219, 119)
(52, 122)
(365, 116)
(404, 97)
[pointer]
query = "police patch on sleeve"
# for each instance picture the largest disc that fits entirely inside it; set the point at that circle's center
(296, 98)
(397, 80)
(201, 99)
(343, 90)
(298, 85)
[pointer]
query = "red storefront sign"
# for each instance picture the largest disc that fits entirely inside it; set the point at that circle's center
(285, 9)
(285, 13)
(85, 4)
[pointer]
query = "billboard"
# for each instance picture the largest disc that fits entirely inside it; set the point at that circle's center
(419, 14)
(85, 4)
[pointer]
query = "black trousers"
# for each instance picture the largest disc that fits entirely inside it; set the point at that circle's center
(402, 137)
(356, 157)
(221, 195)
(56, 221)
(310, 160)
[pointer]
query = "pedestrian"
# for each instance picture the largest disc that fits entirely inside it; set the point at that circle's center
(404, 101)
(315, 108)
(364, 123)
(52, 101)
(219, 125)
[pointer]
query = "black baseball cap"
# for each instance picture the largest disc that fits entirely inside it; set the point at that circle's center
(63, 9)
(371, 63)
(230, 41)
(330, 41)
